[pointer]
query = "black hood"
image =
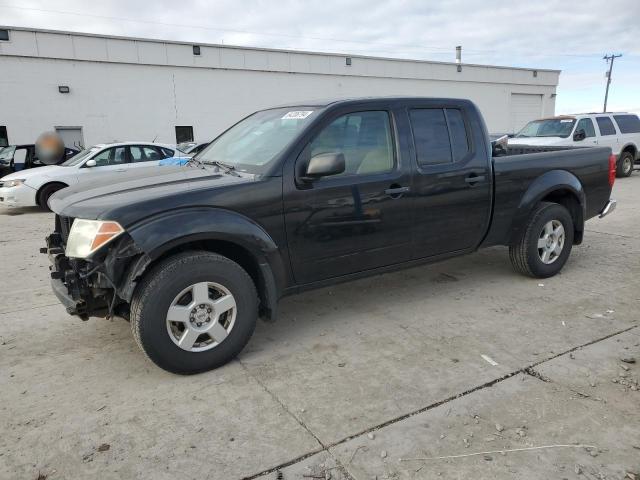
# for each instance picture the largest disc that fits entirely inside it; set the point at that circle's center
(137, 188)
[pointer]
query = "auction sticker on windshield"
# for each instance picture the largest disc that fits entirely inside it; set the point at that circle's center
(297, 115)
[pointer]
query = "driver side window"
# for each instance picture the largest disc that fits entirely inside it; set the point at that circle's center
(364, 138)
(110, 156)
(586, 124)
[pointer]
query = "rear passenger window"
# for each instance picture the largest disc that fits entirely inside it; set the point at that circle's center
(587, 125)
(628, 123)
(431, 136)
(458, 131)
(440, 136)
(606, 126)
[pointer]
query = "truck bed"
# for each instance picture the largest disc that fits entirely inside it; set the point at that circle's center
(515, 172)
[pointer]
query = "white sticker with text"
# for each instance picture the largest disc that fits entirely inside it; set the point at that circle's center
(297, 115)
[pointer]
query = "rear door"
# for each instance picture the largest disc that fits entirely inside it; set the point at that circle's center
(145, 155)
(452, 186)
(608, 134)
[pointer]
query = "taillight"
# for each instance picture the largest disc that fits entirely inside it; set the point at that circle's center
(612, 169)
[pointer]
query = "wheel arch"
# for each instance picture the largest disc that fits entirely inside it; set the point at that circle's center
(557, 186)
(47, 184)
(235, 237)
(631, 148)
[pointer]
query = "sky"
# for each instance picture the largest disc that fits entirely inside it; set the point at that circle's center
(568, 35)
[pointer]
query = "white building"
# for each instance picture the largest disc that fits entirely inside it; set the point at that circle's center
(95, 88)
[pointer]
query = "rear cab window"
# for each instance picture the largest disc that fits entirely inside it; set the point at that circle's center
(628, 123)
(440, 136)
(606, 126)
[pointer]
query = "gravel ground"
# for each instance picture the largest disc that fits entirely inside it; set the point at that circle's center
(507, 377)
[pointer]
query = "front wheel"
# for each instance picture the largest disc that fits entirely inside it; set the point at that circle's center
(194, 312)
(625, 165)
(546, 243)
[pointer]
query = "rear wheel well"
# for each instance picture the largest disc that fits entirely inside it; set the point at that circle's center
(49, 184)
(631, 149)
(234, 252)
(569, 201)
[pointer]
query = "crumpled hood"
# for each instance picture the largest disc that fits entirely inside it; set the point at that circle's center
(137, 186)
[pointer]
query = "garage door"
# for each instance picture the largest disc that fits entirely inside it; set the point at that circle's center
(524, 108)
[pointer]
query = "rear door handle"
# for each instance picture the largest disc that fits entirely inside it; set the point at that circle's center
(473, 179)
(396, 191)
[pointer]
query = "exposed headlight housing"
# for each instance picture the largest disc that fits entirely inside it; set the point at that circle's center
(87, 236)
(13, 183)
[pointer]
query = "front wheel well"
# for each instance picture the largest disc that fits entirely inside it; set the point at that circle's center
(569, 201)
(48, 184)
(239, 255)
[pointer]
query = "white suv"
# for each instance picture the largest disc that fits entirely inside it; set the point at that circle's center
(620, 131)
(33, 187)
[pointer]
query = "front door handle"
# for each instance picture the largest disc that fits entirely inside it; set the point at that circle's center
(473, 179)
(396, 191)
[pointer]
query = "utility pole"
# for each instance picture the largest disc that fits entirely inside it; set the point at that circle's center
(609, 59)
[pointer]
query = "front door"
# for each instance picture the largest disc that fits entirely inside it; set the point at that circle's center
(358, 220)
(452, 187)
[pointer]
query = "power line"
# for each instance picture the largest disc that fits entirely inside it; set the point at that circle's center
(441, 50)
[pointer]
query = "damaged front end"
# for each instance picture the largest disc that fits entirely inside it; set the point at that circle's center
(102, 284)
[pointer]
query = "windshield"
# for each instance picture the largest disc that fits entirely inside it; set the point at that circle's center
(553, 127)
(79, 157)
(254, 142)
(6, 153)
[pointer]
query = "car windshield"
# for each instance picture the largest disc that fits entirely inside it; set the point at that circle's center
(79, 157)
(553, 127)
(6, 153)
(258, 139)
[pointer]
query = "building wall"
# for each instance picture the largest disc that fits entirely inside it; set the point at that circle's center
(131, 89)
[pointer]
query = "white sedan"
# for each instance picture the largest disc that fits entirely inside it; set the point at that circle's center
(33, 187)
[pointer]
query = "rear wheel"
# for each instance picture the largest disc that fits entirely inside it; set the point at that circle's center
(546, 243)
(46, 192)
(625, 165)
(194, 312)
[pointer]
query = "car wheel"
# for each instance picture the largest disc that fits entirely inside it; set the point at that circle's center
(625, 165)
(194, 312)
(46, 192)
(546, 243)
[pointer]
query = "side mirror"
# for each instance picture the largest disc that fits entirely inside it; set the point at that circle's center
(499, 146)
(579, 135)
(90, 163)
(324, 165)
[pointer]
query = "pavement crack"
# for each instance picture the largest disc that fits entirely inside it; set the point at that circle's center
(282, 404)
(536, 374)
(528, 370)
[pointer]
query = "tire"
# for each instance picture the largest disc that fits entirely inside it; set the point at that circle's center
(526, 257)
(46, 192)
(160, 288)
(625, 165)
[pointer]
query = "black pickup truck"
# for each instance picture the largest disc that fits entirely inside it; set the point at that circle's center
(298, 197)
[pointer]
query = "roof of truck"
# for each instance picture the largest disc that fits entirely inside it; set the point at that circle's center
(331, 101)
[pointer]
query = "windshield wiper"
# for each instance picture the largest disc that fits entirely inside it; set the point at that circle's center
(225, 166)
